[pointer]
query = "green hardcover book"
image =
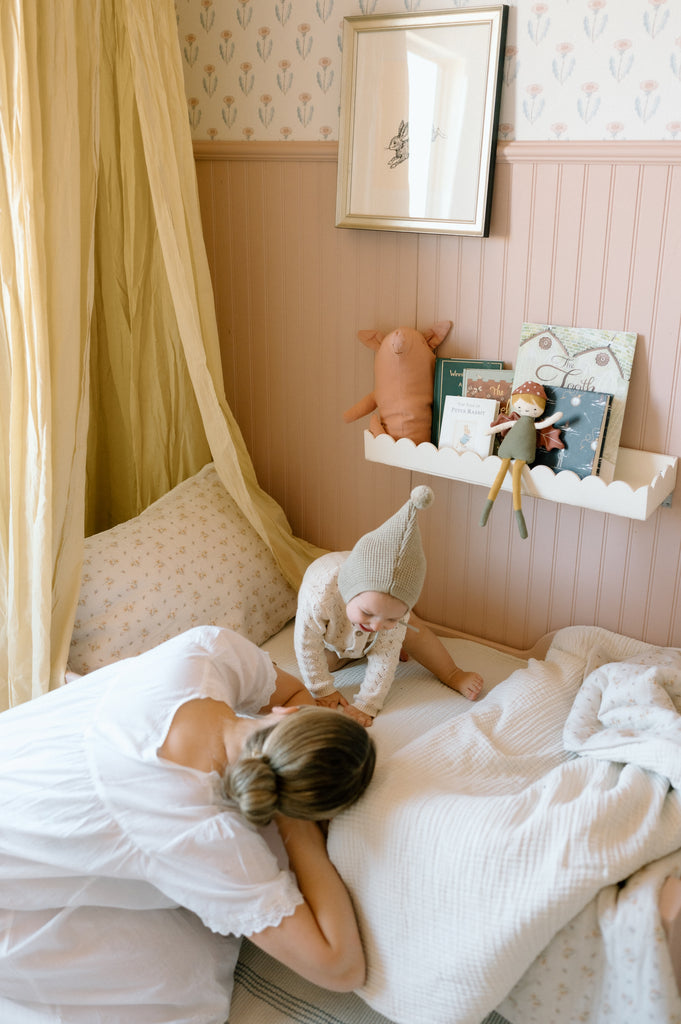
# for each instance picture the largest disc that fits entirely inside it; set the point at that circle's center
(449, 381)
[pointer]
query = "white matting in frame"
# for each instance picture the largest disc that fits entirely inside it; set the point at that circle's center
(419, 114)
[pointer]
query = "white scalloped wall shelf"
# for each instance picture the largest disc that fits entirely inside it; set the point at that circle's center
(643, 480)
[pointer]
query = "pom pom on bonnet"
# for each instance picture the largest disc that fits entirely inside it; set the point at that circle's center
(390, 559)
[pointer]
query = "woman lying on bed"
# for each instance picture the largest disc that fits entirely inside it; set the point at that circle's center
(129, 860)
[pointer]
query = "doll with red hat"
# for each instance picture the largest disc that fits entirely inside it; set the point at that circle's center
(525, 432)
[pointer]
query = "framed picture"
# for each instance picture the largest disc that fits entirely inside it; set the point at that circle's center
(420, 97)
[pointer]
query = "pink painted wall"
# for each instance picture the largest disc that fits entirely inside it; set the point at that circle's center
(582, 234)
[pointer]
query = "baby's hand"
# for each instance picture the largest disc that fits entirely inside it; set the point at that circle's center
(359, 716)
(332, 700)
(469, 684)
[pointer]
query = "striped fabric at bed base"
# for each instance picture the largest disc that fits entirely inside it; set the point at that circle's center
(267, 993)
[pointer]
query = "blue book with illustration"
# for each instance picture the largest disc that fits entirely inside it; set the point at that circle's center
(586, 358)
(583, 428)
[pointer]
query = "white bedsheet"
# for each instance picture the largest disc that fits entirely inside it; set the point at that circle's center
(482, 845)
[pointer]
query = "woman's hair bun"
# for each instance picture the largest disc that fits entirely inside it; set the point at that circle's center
(252, 784)
(309, 765)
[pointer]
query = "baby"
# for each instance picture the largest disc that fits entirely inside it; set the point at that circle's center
(355, 604)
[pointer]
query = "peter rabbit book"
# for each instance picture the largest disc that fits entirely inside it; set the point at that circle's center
(449, 381)
(582, 426)
(587, 359)
(464, 422)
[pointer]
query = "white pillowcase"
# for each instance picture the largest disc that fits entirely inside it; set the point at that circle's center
(189, 559)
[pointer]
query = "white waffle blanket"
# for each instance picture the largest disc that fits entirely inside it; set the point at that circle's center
(482, 838)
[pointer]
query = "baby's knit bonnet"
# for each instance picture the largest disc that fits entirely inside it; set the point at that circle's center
(390, 559)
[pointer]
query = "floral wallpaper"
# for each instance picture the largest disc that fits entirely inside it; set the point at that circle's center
(270, 70)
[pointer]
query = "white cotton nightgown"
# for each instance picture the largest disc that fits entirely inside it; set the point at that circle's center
(124, 878)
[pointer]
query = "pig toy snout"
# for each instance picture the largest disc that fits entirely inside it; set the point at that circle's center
(401, 344)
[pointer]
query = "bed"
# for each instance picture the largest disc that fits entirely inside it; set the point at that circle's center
(516, 859)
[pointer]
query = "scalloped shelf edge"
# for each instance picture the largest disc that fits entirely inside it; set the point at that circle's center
(643, 480)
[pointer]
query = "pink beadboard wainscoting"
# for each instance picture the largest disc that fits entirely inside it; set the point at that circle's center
(585, 234)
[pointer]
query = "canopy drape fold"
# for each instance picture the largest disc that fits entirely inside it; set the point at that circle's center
(110, 372)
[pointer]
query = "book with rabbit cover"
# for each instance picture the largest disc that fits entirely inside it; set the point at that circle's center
(465, 422)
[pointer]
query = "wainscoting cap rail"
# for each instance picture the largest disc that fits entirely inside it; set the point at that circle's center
(317, 152)
(590, 152)
(510, 152)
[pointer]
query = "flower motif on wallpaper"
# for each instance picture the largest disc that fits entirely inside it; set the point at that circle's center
(647, 101)
(588, 104)
(207, 16)
(510, 64)
(190, 50)
(226, 46)
(194, 112)
(266, 110)
(246, 77)
(264, 43)
(675, 61)
(305, 110)
(244, 13)
(533, 107)
(564, 64)
(620, 65)
(324, 9)
(284, 76)
(210, 80)
(558, 57)
(655, 20)
(595, 22)
(325, 74)
(229, 111)
(283, 12)
(304, 40)
(539, 24)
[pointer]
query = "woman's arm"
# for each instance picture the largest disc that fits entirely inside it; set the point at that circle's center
(320, 941)
(288, 692)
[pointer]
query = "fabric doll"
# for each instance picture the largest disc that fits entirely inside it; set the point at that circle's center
(528, 401)
(355, 604)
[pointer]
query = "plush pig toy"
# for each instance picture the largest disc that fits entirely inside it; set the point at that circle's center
(404, 371)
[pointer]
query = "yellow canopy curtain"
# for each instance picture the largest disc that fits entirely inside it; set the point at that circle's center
(109, 355)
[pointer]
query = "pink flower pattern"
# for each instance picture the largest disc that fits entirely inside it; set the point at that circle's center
(556, 52)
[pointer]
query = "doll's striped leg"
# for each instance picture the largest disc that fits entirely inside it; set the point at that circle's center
(494, 490)
(517, 476)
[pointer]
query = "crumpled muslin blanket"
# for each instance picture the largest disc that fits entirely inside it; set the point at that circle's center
(629, 712)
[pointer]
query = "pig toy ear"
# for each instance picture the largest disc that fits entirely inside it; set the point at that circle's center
(372, 339)
(436, 334)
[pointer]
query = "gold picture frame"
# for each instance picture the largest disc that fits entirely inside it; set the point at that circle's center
(420, 97)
